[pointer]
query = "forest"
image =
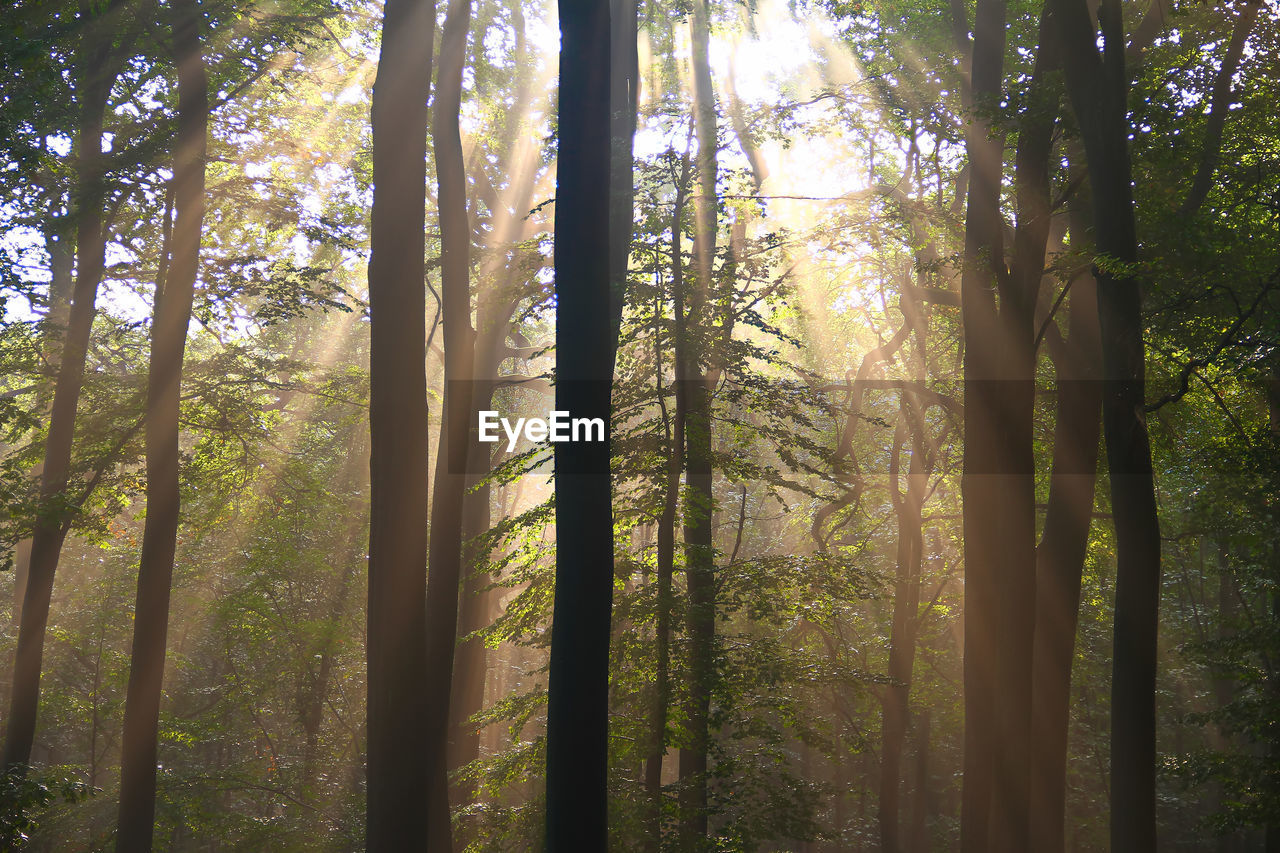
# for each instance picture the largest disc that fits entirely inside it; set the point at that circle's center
(935, 349)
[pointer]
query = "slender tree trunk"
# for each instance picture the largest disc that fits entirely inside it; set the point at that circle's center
(399, 699)
(1015, 390)
(469, 672)
(445, 563)
(1224, 687)
(1011, 795)
(624, 98)
(578, 693)
(999, 450)
(912, 433)
(1271, 832)
(1219, 104)
(349, 555)
(666, 537)
(984, 506)
(1063, 544)
(906, 604)
(96, 74)
(699, 506)
(1099, 88)
(471, 657)
(493, 326)
(59, 245)
(919, 842)
(174, 295)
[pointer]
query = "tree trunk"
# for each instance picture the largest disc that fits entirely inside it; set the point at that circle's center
(1063, 544)
(1219, 104)
(1271, 831)
(919, 842)
(398, 697)
(349, 554)
(906, 604)
(666, 537)
(1000, 476)
(445, 563)
(699, 502)
(624, 100)
(59, 245)
(578, 693)
(467, 695)
(493, 326)
(1099, 88)
(173, 298)
(982, 485)
(97, 70)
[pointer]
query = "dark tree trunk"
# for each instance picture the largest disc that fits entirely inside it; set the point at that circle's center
(906, 604)
(349, 554)
(59, 243)
(982, 485)
(1219, 104)
(578, 693)
(399, 700)
(1016, 583)
(60, 246)
(1271, 832)
(666, 533)
(699, 505)
(912, 433)
(1016, 624)
(919, 842)
(493, 326)
(469, 672)
(97, 70)
(1063, 543)
(474, 611)
(999, 452)
(624, 100)
(1099, 89)
(172, 312)
(445, 563)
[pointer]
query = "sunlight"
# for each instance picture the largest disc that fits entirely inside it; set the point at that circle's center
(849, 563)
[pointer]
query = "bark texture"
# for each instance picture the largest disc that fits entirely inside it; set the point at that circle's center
(1063, 543)
(985, 504)
(97, 69)
(398, 701)
(445, 553)
(172, 313)
(699, 506)
(1099, 89)
(578, 700)
(666, 536)
(1219, 104)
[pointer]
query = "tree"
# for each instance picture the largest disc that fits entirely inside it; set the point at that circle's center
(1099, 88)
(397, 812)
(175, 291)
(698, 375)
(104, 46)
(1060, 555)
(1000, 371)
(578, 697)
(448, 499)
(986, 775)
